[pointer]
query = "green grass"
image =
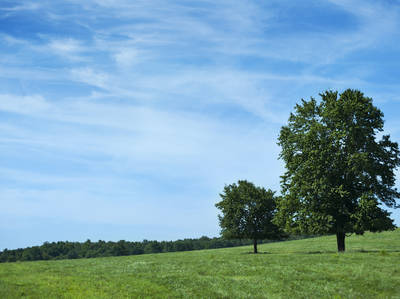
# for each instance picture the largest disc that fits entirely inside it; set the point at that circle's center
(307, 268)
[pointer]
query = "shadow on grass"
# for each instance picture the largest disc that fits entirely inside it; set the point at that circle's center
(316, 252)
(263, 252)
(382, 252)
(291, 252)
(374, 251)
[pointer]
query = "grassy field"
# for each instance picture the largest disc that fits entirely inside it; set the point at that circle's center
(307, 268)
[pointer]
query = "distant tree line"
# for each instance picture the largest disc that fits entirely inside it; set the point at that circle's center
(89, 249)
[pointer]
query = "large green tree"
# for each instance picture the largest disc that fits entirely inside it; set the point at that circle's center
(247, 213)
(339, 167)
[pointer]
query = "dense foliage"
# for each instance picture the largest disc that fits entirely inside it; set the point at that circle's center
(88, 249)
(247, 213)
(339, 167)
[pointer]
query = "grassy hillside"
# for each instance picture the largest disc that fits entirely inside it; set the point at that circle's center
(307, 268)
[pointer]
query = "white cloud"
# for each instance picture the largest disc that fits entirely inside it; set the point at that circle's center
(23, 104)
(69, 48)
(126, 57)
(92, 77)
(65, 46)
(11, 40)
(22, 7)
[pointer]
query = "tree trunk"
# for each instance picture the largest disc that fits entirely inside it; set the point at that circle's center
(255, 246)
(340, 241)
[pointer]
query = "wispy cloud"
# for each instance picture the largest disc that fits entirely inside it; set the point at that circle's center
(91, 77)
(23, 104)
(127, 57)
(66, 47)
(22, 7)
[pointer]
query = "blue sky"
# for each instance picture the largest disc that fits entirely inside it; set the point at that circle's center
(124, 119)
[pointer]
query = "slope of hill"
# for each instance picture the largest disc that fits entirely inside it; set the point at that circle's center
(307, 268)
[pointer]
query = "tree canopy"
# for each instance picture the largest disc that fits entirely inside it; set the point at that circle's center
(247, 212)
(339, 167)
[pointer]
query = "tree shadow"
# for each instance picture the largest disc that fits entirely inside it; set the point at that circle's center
(315, 252)
(326, 252)
(381, 251)
(260, 252)
(374, 251)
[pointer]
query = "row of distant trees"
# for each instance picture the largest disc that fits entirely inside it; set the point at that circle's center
(340, 170)
(89, 249)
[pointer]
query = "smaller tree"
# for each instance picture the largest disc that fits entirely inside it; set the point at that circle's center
(247, 213)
